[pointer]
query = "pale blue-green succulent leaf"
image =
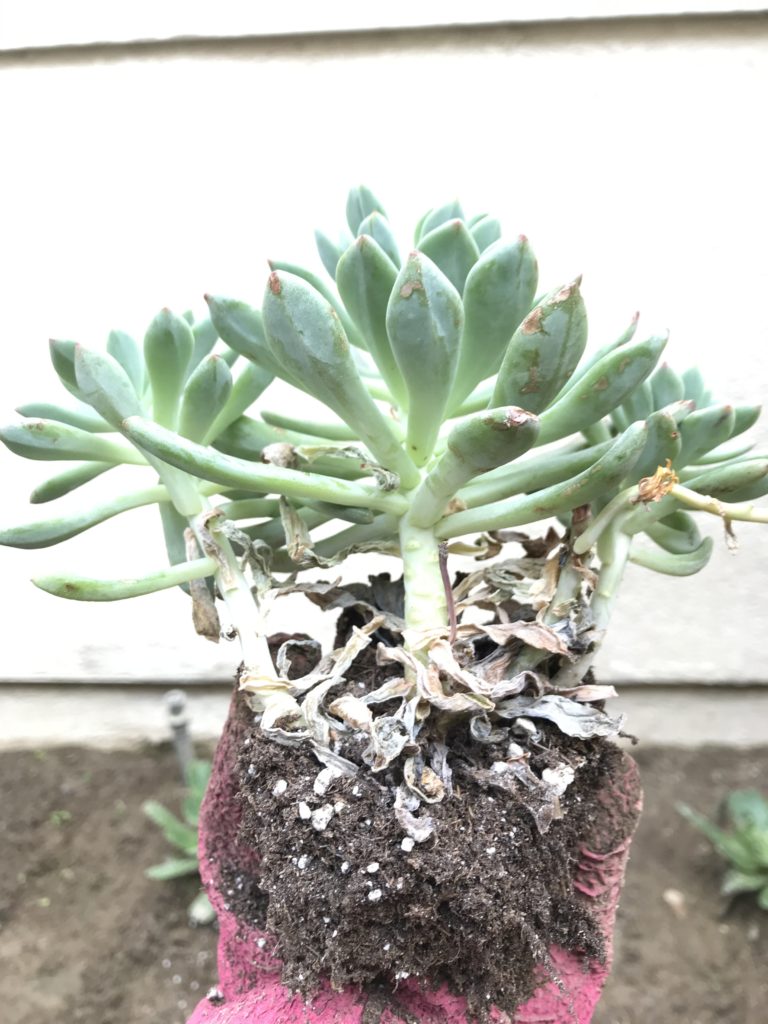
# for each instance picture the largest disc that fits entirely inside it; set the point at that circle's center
(206, 336)
(666, 386)
(739, 481)
(605, 386)
(704, 430)
(744, 417)
(241, 327)
(723, 453)
(330, 251)
(453, 249)
(593, 482)
(85, 588)
(62, 355)
(673, 565)
(348, 515)
(361, 202)
(123, 348)
(336, 431)
(46, 532)
(676, 533)
(365, 277)
(306, 336)
(247, 386)
(485, 232)
(439, 215)
(64, 483)
(544, 351)
(51, 441)
(379, 229)
(729, 845)
(639, 403)
(626, 336)
(748, 808)
(82, 417)
(663, 443)
(693, 385)
(106, 386)
(205, 394)
(168, 347)
(353, 335)
(477, 445)
(497, 296)
(261, 478)
(530, 475)
(424, 323)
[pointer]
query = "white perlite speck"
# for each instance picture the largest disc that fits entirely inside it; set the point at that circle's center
(305, 811)
(345, 867)
(373, 867)
(302, 862)
(321, 817)
(374, 895)
(279, 787)
(324, 779)
(407, 844)
(490, 850)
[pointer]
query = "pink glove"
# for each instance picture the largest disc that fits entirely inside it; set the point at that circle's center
(249, 976)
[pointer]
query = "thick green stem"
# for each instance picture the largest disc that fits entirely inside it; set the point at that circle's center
(426, 604)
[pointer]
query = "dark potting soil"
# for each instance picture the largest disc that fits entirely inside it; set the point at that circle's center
(85, 938)
(477, 905)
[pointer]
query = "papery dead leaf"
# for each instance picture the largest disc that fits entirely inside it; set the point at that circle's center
(571, 718)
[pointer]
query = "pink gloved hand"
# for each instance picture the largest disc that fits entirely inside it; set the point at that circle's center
(249, 976)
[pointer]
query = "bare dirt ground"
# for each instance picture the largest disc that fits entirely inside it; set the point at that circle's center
(85, 938)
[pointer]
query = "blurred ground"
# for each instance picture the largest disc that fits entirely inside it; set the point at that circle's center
(89, 940)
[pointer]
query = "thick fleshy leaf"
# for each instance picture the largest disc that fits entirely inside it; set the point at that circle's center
(365, 277)
(437, 216)
(62, 355)
(63, 483)
(739, 481)
(593, 482)
(106, 386)
(83, 417)
(361, 202)
(205, 335)
(663, 443)
(205, 394)
(353, 335)
(744, 417)
(168, 347)
(676, 533)
(306, 336)
(626, 336)
(638, 404)
(176, 832)
(124, 349)
(544, 351)
(330, 251)
(378, 227)
(674, 565)
(476, 445)
(498, 294)
(532, 474)
(261, 478)
(693, 385)
(453, 249)
(85, 588)
(485, 232)
(45, 533)
(704, 430)
(424, 324)
(247, 386)
(666, 386)
(241, 327)
(605, 386)
(326, 430)
(51, 441)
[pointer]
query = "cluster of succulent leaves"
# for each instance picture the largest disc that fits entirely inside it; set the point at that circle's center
(460, 401)
(181, 833)
(744, 845)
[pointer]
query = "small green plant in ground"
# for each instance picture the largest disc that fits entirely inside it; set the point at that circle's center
(181, 833)
(744, 845)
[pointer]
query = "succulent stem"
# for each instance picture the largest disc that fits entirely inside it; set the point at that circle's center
(425, 599)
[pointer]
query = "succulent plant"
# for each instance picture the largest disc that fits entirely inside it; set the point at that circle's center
(459, 403)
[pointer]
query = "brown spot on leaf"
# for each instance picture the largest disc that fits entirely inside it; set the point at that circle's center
(410, 287)
(532, 323)
(533, 382)
(274, 283)
(600, 385)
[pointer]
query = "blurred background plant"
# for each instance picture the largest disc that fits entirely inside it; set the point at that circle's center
(181, 833)
(743, 844)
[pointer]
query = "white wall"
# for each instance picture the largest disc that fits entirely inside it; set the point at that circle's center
(633, 153)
